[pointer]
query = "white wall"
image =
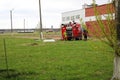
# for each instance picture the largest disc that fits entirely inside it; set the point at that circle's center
(93, 18)
(77, 14)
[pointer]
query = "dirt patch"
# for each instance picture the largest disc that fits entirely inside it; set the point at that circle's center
(30, 44)
(34, 44)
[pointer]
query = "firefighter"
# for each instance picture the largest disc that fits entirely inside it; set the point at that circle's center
(63, 29)
(70, 24)
(65, 35)
(85, 34)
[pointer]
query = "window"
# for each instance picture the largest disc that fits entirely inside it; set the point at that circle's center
(67, 18)
(72, 18)
(77, 16)
(63, 18)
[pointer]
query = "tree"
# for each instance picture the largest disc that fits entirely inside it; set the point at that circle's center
(116, 74)
(112, 36)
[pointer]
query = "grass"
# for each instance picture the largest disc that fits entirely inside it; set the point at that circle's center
(29, 59)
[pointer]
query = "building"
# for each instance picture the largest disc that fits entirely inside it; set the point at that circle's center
(102, 11)
(73, 16)
(87, 14)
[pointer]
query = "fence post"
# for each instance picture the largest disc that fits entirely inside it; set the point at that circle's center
(6, 58)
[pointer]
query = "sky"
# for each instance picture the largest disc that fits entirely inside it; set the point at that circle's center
(28, 10)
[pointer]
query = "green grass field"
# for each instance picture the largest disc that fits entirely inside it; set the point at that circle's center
(29, 59)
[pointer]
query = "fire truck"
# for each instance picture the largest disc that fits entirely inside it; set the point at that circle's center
(71, 31)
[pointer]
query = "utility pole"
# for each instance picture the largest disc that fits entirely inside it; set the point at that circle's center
(40, 16)
(24, 25)
(11, 20)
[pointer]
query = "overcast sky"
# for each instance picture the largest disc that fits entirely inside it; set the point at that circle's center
(29, 10)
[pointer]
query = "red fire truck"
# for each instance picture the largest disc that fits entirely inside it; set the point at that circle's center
(71, 31)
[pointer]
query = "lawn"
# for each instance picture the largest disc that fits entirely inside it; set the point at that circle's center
(29, 59)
